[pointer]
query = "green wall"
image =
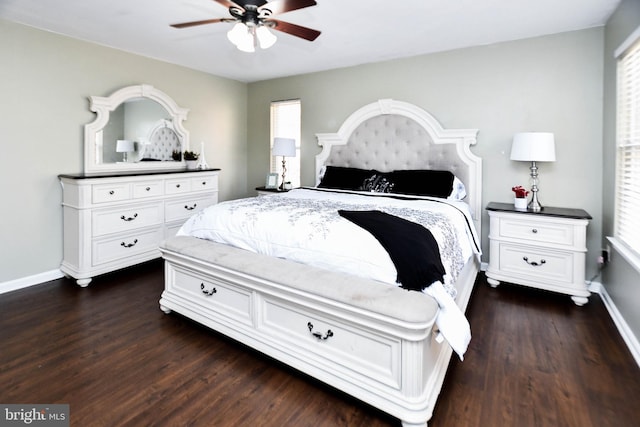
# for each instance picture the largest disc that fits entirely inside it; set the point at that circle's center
(45, 82)
(620, 278)
(551, 83)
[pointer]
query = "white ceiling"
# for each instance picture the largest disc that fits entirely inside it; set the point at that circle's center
(353, 31)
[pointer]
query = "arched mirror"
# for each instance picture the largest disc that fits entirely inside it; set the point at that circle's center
(136, 128)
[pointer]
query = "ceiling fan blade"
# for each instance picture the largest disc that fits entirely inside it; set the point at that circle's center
(282, 6)
(293, 29)
(206, 21)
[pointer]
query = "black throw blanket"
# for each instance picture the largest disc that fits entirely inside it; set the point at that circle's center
(411, 247)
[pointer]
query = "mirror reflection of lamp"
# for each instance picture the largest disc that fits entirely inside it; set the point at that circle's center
(124, 146)
(285, 147)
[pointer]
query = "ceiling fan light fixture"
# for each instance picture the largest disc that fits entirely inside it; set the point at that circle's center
(239, 35)
(265, 37)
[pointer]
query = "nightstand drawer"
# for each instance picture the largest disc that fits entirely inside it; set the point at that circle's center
(536, 231)
(536, 263)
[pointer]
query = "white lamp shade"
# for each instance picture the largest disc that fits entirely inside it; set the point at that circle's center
(265, 37)
(124, 146)
(533, 147)
(241, 37)
(284, 147)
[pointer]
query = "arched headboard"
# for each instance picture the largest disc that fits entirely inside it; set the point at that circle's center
(392, 135)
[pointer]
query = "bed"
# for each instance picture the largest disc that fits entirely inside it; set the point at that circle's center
(360, 333)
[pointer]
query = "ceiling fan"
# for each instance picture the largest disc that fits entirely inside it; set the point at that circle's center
(253, 19)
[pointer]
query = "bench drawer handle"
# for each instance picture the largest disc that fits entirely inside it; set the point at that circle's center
(206, 292)
(318, 335)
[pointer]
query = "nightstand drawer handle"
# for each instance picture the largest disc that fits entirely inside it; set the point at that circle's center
(534, 231)
(533, 263)
(206, 292)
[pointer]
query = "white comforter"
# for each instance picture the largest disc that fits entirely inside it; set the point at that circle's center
(303, 225)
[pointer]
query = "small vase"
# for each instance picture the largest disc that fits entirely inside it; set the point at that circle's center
(520, 203)
(191, 164)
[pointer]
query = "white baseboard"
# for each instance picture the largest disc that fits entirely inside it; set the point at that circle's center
(625, 331)
(25, 282)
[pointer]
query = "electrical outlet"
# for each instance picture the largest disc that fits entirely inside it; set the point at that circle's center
(604, 257)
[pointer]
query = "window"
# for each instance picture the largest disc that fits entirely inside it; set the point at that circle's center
(285, 123)
(627, 226)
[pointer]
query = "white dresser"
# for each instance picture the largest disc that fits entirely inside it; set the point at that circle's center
(114, 221)
(545, 250)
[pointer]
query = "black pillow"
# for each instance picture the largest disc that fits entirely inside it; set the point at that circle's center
(343, 178)
(434, 183)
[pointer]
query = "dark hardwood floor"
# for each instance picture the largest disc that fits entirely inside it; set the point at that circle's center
(535, 359)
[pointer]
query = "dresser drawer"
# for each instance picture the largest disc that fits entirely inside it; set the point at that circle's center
(147, 189)
(183, 209)
(177, 186)
(536, 263)
(547, 232)
(124, 218)
(224, 298)
(206, 183)
(361, 351)
(113, 192)
(125, 246)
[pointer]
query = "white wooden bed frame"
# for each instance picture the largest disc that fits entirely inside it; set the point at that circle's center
(376, 342)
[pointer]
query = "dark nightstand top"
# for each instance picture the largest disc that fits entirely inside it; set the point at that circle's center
(546, 211)
(271, 190)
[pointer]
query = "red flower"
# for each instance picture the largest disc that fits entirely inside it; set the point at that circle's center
(520, 191)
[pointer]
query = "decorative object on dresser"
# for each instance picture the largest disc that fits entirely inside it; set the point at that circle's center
(114, 221)
(202, 162)
(533, 147)
(545, 250)
(191, 158)
(285, 147)
(366, 337)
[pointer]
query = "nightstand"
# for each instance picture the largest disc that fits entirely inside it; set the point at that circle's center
(264, 190)
(544, 250)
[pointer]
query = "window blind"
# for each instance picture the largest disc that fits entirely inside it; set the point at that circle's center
(285, 123)
(627, 211)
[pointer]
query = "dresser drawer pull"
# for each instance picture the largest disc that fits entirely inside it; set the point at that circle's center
(112, 192)
(148, 188)
(130, 218)
(129, 245)
(190, 208)
(534, 231)
(206, 292)
(204, 182)
(318, 335)
(533, 263)
(177, 185)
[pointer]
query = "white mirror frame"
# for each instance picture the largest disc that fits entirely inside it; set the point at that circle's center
(103, 106)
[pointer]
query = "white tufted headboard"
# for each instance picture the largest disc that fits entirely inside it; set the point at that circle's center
(391, 135)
